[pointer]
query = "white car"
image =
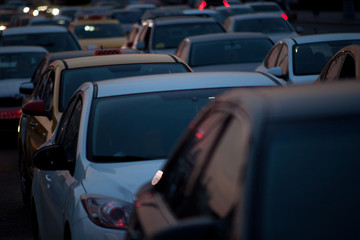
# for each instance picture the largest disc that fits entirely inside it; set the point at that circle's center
(273, 25)
(224, 51)
(102, 150)
(300, 60)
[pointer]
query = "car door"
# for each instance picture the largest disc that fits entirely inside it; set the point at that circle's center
(56, 186)
(39, 128)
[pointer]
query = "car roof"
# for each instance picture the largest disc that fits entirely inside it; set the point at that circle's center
(21, 49)
(92, 61)
(181, 81)
(259, 15)
(227, 35)
(325, 37)
(299, 102)
(33, 29)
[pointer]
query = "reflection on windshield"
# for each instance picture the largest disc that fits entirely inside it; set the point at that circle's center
(142, 125)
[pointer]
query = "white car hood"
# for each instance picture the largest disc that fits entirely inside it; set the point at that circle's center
(120, 180)
(10, 87)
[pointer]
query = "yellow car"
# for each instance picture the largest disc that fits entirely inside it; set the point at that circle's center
(99, 33)
(60, 80)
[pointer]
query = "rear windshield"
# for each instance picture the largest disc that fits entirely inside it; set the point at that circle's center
(311, 180)
(53, 42)
(99, 31)
(169, 36)
(71, 79)
(266, 25)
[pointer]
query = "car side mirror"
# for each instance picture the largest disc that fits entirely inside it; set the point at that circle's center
(26, 88)
(140, 46)
(36, 108)
(52, 157)
(194, 229)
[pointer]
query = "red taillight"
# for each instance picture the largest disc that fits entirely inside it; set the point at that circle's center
(10, 114)
(202, 5)
(284, 16)
(226, 4)
(107, 51)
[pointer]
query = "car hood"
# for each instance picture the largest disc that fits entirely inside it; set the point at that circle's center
(120, 180)
(227, 67)
(10, 87)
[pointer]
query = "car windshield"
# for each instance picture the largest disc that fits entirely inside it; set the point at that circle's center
(128, 17)
(71, 79)
(57, 22)
(99, 31)
(265, 25)
(19, 65)
(311, 58)
(311, 180)
(118, 133)
(229, 51)
(53, 42)
(266, 8)
(169, 36)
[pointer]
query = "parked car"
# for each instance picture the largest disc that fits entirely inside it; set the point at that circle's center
(17, 64)
(99, 34)
(59, 82)
(163, 35)
(103, 151)
(233, 10)
(260, 164)
(344, 65)
(224, 51)
(301, 59)
(53, 38)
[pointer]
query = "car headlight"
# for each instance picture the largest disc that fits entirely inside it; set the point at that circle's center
(106, 211)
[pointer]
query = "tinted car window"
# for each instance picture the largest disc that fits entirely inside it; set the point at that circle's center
(99, 31)
(150, 132)
(73, 78)
(328, 151)
(169, 36)
(53, 42)
(270, 25)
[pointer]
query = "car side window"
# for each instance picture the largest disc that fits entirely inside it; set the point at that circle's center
(217, 188)
(272, 56)
(334, 68)
(38, 92)
(68, 129)
(283, 59)
(189, 160)
(47, 95)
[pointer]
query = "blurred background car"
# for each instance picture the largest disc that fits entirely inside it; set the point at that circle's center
(5, 17)
(56, 20)
(224, 51)
(109, 150)
(59, 82)
(163, 35)
(300, 59)
(275, 163)
(99, 33)
(267, 7)
(344, 65)
(204, 4)
(53, 38)
(17, 65)
(275, 26)
(127, 17)
(233, 10)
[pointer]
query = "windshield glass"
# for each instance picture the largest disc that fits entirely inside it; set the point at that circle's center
(265, 25)
(19, 65)
(311, 179)
(142, 126)
(311, 58)
(99, 31)
(229, 51)
(53, 42)
(169, 36)
(71, 79)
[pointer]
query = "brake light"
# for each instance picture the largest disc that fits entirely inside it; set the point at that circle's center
(226, 4)
(284, 16)
(107, 51)
(10, 114)
(202, 5)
